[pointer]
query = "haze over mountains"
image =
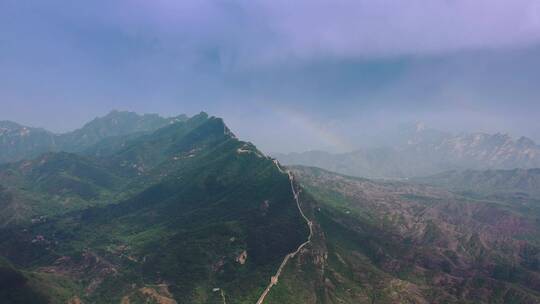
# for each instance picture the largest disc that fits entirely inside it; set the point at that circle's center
(144, 209)
(420, 151)
(164, 208)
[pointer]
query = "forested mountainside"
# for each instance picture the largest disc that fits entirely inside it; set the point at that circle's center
(171, 216)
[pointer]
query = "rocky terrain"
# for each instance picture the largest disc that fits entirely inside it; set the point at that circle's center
(393, 242)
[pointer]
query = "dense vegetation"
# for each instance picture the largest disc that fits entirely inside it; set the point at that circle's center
(172, 214)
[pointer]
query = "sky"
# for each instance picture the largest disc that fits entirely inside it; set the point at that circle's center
(286, 75)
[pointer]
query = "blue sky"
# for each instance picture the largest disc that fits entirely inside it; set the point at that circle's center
(288, 75)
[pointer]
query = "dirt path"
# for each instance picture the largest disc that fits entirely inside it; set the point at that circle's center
(223, 296)
(274, 279)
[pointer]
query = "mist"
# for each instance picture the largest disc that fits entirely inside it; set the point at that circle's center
(288, 77)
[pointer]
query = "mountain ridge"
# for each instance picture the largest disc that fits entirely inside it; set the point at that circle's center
(19, 142)
(196, 208)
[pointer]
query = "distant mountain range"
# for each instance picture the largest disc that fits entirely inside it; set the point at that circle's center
(421, 152)
(19, 142)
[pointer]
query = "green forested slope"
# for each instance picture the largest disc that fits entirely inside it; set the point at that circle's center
(193, 209)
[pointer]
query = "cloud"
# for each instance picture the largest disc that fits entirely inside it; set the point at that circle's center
(280, 29)
(265, 31)
(246, 32)
(338, 66)
(374, 28)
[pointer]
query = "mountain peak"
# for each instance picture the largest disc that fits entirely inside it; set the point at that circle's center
(116, 114)
(202, 114)
(503, 136)
(8, 124)
(420, 126)
(19, 142)
(525, 142)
